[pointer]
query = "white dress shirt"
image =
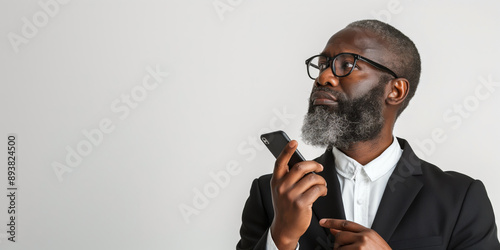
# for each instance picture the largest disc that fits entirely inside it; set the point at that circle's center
(361, 186)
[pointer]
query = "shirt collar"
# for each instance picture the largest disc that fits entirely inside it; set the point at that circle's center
(348, 167)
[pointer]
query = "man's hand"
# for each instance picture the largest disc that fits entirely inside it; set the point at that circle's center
(350, 235)
(293, 192)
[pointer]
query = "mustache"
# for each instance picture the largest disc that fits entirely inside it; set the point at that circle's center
(339, 96)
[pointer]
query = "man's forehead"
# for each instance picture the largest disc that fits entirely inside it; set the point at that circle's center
(359, 41)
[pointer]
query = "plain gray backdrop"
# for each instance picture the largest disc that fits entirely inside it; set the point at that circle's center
(138, 121)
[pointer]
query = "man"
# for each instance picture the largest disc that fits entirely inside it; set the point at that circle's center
(368, 190)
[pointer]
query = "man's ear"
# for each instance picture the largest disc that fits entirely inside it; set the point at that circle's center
(399, 88)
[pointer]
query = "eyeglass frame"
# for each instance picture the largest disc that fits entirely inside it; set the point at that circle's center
(356, 58)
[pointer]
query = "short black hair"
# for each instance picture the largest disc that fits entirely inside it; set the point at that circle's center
(407, 64)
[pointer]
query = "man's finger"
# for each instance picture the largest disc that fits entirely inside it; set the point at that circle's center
(281, 164)
(342, 225)
(306, 182)
(313, 193)
(334, 231)
(301, 169)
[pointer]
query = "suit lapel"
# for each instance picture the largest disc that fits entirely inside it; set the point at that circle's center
(331, 205)
(402, 188)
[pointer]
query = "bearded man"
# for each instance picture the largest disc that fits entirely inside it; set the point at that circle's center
(368, 190)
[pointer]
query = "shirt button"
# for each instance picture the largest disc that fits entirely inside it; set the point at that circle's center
(360, 201)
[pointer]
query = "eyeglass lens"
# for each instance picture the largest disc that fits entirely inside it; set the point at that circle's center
(343, 65)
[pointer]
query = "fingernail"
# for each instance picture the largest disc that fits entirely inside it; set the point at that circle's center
(322, 221)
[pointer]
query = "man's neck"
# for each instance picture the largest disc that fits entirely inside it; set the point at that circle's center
(365, 151)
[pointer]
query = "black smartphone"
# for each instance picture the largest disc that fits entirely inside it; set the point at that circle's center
(276, 142)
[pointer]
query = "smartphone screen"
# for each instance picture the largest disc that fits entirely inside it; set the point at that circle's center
(276, 142)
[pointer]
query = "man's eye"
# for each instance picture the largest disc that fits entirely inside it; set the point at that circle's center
(323, 66)
(347, 65)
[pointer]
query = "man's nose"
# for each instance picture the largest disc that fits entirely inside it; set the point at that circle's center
(327, 78)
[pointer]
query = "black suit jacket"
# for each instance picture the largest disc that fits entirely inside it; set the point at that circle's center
(422, 208)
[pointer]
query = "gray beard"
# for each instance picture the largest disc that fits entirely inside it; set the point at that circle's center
(353, 121)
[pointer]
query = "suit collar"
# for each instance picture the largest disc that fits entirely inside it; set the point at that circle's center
(376, 168)
(402, 188)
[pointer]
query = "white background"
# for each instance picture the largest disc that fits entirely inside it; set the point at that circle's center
(230, 74)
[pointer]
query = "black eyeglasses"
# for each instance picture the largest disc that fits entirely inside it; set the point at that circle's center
(341, 64)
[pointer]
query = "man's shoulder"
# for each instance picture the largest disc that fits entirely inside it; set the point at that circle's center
(432, 174)
(432, 171)
(264, 178)
(262, 184)
(445, 180)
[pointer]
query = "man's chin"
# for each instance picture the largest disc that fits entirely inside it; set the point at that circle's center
(331, 109)
(321, 128)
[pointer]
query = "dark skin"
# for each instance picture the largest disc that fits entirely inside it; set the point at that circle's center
(294, 191)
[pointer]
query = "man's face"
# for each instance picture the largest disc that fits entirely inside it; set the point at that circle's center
(357, 113)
